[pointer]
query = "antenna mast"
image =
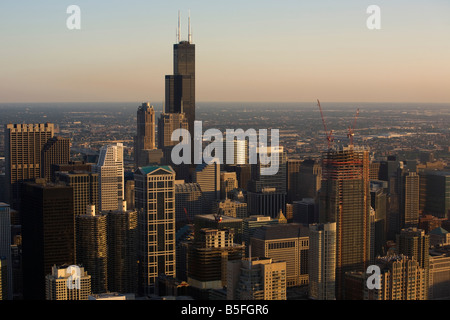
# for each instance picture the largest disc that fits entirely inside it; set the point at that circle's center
(189, 28)
(179, 26)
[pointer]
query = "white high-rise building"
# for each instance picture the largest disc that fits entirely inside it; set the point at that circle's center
(67, 283)
(322, 261)
(5, 246)
(111, 177)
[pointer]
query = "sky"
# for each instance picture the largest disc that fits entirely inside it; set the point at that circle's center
(247, 50)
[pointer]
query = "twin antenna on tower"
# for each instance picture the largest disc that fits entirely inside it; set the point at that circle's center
(179, 27)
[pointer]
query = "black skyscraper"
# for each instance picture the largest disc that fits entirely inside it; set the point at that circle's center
(180, 87)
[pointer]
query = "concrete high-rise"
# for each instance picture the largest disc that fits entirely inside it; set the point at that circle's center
(111, 176)
(55, 151)
(155, 202)
(23, 146)
(85, 189)
(91, 247)
(402, 278)
(57, 287)
(145, 136)
(256, 278)
(345, 199)
(228, 182)
(415, 243)
(167, 124)
(208, 256)
(322, 261)
(408, 191)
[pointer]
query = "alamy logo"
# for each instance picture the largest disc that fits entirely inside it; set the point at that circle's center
(374, 280)
(269, 156)
(74, 20)
(74, 279)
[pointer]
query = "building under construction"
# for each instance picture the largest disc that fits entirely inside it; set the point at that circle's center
(345, 199)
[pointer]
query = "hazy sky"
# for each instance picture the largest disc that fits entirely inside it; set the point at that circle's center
(246, 50)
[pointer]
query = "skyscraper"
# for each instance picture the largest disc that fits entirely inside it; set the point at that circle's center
(208, 257)
(402, 278)
(155, 202)
(57, 288)
(5, 250)
(23, 146)
(180, 87)
(267, 192)
(48, 232)
(145, 136)
(188, 202)
(55, 151)
(408, 191)
(414, 243)
(111, 176)
(85, 189)
(287, 242)
(208, 177)
(122, 250)
(167, 124)
(345, 199)
(437, 193)
(322, 261)
(91, 246)
(256, 278)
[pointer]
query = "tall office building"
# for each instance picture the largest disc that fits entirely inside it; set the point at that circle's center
(220, 222)
(91, 246)
(167, 124)
(437, 194)
(145, 136)
(251, 224)
(85, 189)
(5, 251)
(188, 202)
(293, 179)
(208, 257)
(415, 243)
(111, 176)
(305, 211)
(180, 87)
(378, 200)
(287, 242)
(48, 232)
(230, 208)
(310, 179)
(438, 288)
(69, 167)
(55, 151)
(408, 191)
(155, 202)
(228, 182)
(267, 192)
(122, 250)
(322, 261)
(402, 278)
(208, 177)
(57, 285)
(345, 199)
(23, 146)
(256, 278)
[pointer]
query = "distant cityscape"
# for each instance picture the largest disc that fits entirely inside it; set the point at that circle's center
(93, 207)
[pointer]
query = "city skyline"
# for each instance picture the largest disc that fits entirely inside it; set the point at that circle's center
(246, 51)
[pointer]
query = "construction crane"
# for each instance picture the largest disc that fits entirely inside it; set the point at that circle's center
(351, 131)
(329, 134)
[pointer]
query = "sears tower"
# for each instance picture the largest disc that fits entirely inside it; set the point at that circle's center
(180, 87)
